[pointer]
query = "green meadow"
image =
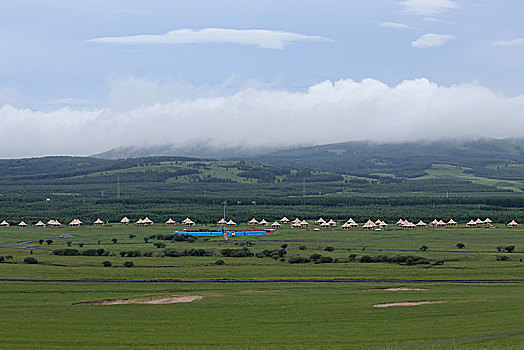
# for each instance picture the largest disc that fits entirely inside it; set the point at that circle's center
(260, 315)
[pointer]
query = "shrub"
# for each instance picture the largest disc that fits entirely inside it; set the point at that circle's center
(410, 262)
(128, 264)
(80, 245)
(2, 259)
(7, 257)
(41, 241)
(284, 246)
(325, 260)
(89, 252)
(107, 263)
(49, 241)
(499, 247)
(509, 248)
(329, 249)
(146, 239)
(66, 252)
(302, 247)
(114, 240)
(236, 253)
(315, 256)
(160, 245)
(422, 262)
(131, 236)
(439, 262)
(274, 253)
(30, 260)
(502, 258)
(423, 248)
(352, 257)
(69, 243)
(297, 259)
(147, 254)
(219, 262)
(366, 259)
(461, 246)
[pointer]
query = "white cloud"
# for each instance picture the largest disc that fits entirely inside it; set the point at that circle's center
(70, 101)
(267, 39)
(395, 25)
(327, 112)
(427, 41)
(428, 7)
(509, 43)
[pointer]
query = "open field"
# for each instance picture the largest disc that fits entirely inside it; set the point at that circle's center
(263, 315)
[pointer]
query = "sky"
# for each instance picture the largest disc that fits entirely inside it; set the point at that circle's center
(81, 77)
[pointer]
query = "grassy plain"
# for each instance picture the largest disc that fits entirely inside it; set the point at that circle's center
(41, 315)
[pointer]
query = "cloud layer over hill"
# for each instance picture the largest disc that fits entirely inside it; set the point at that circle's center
(327, 112)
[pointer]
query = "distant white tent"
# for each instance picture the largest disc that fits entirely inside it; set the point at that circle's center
(252, 222)
(284, 220)
(304, 224)
(4, 224)
(513, 223)
(421, 224)
(231, 223)
(170, 222)
(263, 223)
(275, 225)
(22, 224)
(40, 224)
(98, 222)
(125, 221)
(332, 223)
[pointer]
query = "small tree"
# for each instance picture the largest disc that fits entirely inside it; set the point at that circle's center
(30, 260)
(302, 247)
(146, 239)
(410, 262)
(80, 245)
(461, 246)
(49, 241)
(107, 263)
(69, 243)
(510, 248)
(2, 259)
(131, 236)
(41, 241)
(219, 262)
(284, 246)
(329, 249)
(128, 264)
(423, 248)
(114, 240)
(500, 248)
(160, 245)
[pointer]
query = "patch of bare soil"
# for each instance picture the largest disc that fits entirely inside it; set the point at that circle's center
(410, 303)
(159, 300)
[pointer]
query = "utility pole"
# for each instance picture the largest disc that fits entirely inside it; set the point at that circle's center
(117, 185)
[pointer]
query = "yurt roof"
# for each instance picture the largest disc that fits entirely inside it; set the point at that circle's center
(331, 221)
(471, 222)
(275, 224)
(263, 221)
(421, 223)
(170, 221)
(488, 220)
(451, 221)
(22, 223)
(125, 219)
(231, 222)
(98, 221)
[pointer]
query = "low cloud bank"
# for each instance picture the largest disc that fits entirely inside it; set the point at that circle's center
(327, 112)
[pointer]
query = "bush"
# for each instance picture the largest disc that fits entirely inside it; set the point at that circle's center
(410, 262)
(502, 258)
(30, 260)
(219, 262)
(107, 263)
(329, 249)
(274, 253)
(147, 254)
(284, 246)
(461, 246)
(366, 259)
(128, 264)
(423, 248)
(188, 252)
(2, 259)
(49, 241)
(315, 256)
(160, 245)
(236, 253)
(41, 241)
(114, 240)
(352, 257)
(89, 252)
(297, 259)
(499, 248)
(81, 245)
(69, 243)
(509, 248)
(131, 236)
(302, 247)
(146, 239)
(66, 252)
(439, 262)
(325, 260)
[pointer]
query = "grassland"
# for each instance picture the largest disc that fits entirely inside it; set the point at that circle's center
(261, 315)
